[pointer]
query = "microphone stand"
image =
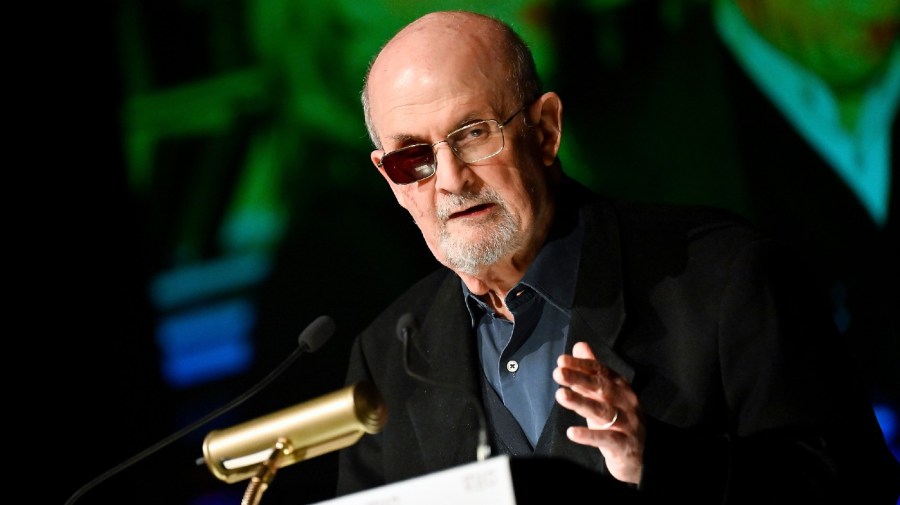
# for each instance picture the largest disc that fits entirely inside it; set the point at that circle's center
(266, 473)
(310, 340)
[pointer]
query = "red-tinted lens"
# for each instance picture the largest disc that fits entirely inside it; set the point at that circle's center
(410, 164)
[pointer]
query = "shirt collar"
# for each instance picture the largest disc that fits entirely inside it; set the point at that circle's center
(554, 271)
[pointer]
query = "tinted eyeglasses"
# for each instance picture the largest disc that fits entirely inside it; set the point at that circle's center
(471, 143)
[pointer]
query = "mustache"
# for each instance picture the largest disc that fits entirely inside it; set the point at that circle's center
(457, 202)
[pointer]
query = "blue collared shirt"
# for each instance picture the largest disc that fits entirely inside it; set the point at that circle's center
(519, 357)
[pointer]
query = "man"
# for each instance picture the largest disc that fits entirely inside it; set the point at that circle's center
(665, 350)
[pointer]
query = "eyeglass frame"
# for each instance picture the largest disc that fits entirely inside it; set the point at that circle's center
(500, 125)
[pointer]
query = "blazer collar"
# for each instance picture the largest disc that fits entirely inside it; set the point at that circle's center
(597, 317)
(599, 309)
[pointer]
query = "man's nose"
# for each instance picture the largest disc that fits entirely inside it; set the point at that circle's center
(452, 173)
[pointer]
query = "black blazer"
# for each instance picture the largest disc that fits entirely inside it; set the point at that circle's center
(746, 397)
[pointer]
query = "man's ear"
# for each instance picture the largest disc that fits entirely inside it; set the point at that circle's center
(376, 159)
(547, 119)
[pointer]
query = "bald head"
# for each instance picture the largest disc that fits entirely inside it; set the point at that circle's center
(448, 50)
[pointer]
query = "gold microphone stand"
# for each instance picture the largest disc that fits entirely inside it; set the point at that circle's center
(260, 482)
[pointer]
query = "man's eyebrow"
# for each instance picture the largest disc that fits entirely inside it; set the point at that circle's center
(473, 117)
(406, 139)
(409, 139)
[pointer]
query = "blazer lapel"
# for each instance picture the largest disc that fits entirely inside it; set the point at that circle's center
(446, 412)
(597, 318)
(599, 309)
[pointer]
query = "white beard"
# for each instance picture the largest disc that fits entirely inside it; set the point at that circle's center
(492, 240)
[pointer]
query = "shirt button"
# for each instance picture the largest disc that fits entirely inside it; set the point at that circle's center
(512, 365)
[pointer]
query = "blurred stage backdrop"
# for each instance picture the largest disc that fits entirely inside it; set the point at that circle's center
(229, 201)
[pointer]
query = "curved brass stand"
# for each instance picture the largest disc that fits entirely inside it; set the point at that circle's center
(260, 482)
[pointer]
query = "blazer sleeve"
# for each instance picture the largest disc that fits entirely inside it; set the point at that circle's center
(797, 427)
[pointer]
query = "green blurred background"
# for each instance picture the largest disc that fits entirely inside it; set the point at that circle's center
(227, 199)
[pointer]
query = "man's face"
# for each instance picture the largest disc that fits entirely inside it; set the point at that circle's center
(470, 215)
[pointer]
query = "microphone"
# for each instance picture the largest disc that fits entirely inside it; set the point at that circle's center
(310, 340)
(406, 328)
(315, 335)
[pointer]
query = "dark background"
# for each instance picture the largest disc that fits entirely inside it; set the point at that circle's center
(166, 107)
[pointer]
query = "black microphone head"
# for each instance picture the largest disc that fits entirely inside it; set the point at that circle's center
(406, 326)
(316, 334)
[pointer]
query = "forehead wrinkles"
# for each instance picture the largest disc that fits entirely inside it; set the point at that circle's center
(443, 68)
(404, 115)
(433, 121)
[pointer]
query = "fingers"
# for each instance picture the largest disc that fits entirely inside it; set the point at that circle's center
(582, 360)
(602, 440)
(583, 373)
(599, 414)
(614, 423)
(583, 350)
(592, 390)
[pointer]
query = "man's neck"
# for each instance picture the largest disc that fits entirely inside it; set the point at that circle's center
(496, 281)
